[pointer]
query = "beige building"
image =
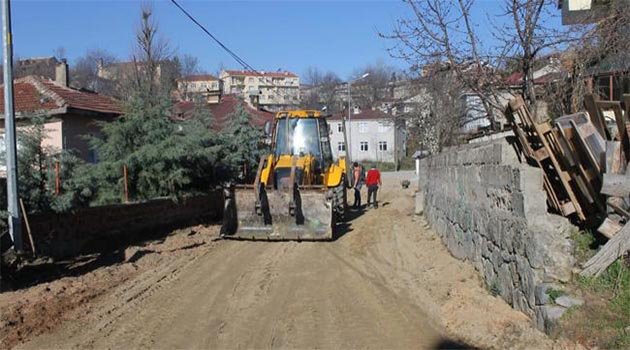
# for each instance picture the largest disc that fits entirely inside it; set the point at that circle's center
(70, 114)
(202, 87)
(270, 90)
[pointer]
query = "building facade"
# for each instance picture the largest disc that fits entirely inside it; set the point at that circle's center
(272, 91)
(202, 87)
(372, 135)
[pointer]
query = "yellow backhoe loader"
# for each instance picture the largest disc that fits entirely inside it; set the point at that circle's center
(299, 192)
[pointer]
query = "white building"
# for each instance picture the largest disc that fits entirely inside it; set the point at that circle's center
(273, 91)
(372, 135)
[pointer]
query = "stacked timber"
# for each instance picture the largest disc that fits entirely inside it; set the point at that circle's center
(584, 160)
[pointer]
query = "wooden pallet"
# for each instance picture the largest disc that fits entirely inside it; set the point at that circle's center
(539, 143)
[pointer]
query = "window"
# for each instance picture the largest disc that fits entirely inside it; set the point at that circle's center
(341, 147)
(251, 79)
(203, 85)
(363, 128)
(339, 127)
(382, 128)
(382, 145)
(192, 85)
(364, 146)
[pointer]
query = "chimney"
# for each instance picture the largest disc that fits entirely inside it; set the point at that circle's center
(61, 73)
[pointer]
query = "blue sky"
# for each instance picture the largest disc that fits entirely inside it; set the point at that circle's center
(337, 36)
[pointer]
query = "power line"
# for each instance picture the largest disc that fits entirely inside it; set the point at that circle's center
(223, 46)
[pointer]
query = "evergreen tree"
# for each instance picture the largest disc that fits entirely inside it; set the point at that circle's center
(243, 144)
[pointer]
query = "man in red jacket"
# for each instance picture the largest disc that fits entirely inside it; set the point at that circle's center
(373, 181)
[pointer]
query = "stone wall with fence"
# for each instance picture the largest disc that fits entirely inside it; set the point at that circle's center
(490, 210)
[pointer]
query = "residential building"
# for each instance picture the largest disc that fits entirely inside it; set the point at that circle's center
(373, 136)
(272, 91)
(71, 114)
(201, 87)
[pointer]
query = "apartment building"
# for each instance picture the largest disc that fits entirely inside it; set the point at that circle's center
(201, 87)
(273, 91)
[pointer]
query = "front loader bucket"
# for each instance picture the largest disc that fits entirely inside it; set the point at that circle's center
(275, 217)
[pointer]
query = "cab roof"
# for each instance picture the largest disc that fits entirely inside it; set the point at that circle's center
(300, 113)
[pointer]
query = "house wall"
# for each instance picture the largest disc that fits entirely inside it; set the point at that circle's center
(372, 132)
(53, 138)
(65, 133)
(75, 128)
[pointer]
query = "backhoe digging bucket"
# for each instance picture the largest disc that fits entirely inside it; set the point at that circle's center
(277, 215)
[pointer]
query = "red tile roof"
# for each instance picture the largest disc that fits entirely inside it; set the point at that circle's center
(36, 94)
(199, 77)
(261, 73)
(221, 112)
(367, 114)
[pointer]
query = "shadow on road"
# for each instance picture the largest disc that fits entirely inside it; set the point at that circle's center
(98, 253)
(345, 227)
(445, 344)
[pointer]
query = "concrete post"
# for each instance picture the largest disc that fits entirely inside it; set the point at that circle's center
(15, 224)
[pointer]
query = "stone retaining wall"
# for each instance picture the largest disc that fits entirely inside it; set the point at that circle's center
(491, 210)
(66, 234)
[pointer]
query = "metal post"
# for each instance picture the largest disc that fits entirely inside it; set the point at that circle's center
(15, 224)
(349, 150)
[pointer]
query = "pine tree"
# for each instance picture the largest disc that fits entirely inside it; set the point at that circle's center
(243, 145)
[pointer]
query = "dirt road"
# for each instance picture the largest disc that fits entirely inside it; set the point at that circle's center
(386, 283)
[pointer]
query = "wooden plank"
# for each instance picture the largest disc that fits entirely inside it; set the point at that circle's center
(541, 154)
(28, 227)
(614, 162)
(590, 103)
(609, 228)
(618, 245)
(591, 157)
(616, 185)
(620, 120)
(618, 206)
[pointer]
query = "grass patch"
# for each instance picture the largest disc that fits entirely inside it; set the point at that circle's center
(494, 288)
(604, 320)
(555, 294)
(585, 245)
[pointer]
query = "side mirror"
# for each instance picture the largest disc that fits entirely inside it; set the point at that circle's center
(268, 128)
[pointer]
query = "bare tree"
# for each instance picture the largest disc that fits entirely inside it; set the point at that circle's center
(375, 87)
(85, 71)
(442, 34)
(435, 116)
(322, 90)
(150, 54)
(60, 53)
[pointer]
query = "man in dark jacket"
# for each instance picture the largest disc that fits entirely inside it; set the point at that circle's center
(357, 177)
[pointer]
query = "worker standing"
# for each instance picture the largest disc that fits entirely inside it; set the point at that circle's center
(373, 181)
(357, 175)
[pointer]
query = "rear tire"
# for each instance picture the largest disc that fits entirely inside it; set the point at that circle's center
(230, 221)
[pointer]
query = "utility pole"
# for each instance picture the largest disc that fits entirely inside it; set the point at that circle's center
(15, 224)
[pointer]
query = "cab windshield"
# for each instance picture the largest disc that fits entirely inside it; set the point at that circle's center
(303, 137)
